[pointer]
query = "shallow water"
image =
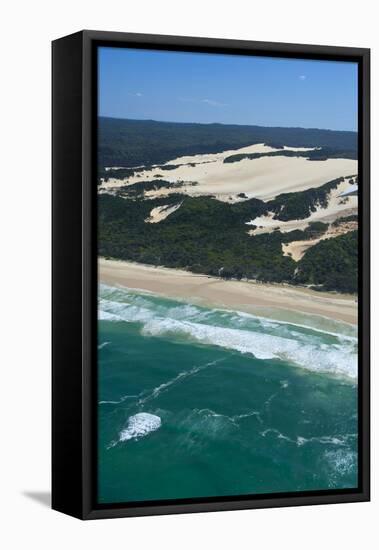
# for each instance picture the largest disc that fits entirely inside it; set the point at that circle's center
(197, 402)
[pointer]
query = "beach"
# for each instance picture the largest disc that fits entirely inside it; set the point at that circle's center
(270, 300)
(269, 404)
(240, 378)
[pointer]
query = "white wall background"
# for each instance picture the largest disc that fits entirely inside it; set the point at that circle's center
(27, 29)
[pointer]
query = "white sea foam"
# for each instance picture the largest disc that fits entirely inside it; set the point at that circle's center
(277, 433)
(265, 339)
(338, 440)
(155, 392)
(104, 315)
(114, 300)
(323, 440)
(257, 414)
(121, 400)
(209, 413)
(102, 345)
(342, 462)
(337, 359)
(140, 425)
(117, 311)
(187, 311)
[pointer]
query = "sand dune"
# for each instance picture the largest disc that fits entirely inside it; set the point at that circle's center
(160, 213)
(337, 207)
(262, 178)
(297, 249)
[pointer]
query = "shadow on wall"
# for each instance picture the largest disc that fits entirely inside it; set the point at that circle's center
(41, 497)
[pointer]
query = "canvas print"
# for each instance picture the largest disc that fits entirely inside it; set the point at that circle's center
(227, 214)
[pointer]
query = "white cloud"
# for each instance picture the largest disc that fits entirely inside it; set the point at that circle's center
(213, 103)
(302, 77)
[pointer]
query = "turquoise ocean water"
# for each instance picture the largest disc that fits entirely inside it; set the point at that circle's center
(199, 402)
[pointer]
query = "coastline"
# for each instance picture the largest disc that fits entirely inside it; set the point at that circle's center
(247, 296)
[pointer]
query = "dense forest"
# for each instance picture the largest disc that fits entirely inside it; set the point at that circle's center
(138, 189)
(286, 206)
(208, 236)
(332, 263)
(323, 153)
(300, 205)
(132, 143)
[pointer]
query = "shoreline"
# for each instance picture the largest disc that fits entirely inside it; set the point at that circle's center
(247, 296)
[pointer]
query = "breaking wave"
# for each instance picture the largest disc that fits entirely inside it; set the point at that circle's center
(139, 425)
(311, 348)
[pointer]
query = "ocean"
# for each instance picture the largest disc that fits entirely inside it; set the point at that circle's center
(201, 402)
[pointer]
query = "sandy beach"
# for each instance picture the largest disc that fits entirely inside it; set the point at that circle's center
(251, 297)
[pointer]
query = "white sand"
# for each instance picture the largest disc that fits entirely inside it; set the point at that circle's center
(337, 207)
(297, 249)
(161, 212)
(214, 157)
(243, 296)
(263, 178)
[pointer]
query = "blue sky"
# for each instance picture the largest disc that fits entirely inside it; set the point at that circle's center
(229, 89)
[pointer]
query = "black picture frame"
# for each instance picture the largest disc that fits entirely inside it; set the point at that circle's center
(74, 273)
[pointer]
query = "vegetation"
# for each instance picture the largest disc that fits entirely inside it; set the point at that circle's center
(315, 229)
(208, 236)
(131, 143)
(323, 153)
(274, 145)
(120, 173)
(332, 263)
(319, 227)
(300, 205)
(346, 219)
(125, 173)
(138, 189)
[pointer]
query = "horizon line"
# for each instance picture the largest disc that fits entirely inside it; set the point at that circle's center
(225, 124)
